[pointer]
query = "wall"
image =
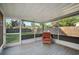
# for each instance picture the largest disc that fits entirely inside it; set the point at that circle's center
(1, 29)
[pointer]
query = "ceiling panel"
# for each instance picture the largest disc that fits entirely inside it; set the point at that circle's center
(39, 12)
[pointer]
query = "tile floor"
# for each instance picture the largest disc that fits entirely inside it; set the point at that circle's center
(37, 48)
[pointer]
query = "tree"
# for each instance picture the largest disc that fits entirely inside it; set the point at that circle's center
(15, 23)
(8, 25)
(68, 21)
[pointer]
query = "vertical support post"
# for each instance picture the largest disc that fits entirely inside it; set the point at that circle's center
(20, 31)
(4, 31)
(34, 30)
(34, 35)
(58, 31)
(42, 27)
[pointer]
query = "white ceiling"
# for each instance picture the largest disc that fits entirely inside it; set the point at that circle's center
(39, 12)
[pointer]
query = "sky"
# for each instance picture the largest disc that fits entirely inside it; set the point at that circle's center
(27, 23)
(8, 20)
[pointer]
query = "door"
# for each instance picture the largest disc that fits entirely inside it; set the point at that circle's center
(1, 29)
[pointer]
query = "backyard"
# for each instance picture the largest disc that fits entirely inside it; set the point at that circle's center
(12, 38)
(30, 28)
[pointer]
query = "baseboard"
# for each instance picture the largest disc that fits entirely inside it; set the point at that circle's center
(68, 44)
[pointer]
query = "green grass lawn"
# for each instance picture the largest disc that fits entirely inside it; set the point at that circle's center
(27, 33)
(12, 38)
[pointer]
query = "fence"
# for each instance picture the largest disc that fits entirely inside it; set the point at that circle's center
(17, 30)
(70, 34)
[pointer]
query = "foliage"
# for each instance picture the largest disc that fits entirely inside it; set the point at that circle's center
(15, 23)
(12, 23)
(8, 25)
(48, 25)
(69, 21)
